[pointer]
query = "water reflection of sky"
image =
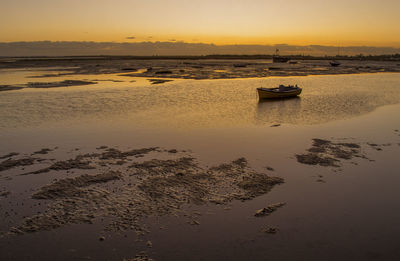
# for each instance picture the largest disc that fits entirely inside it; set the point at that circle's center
(193, 104)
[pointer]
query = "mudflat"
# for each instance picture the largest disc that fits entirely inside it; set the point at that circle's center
(151, 164)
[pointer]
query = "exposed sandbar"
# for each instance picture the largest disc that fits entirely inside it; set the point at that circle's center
(149, 188)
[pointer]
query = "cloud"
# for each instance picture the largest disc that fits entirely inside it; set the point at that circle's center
(131, 37)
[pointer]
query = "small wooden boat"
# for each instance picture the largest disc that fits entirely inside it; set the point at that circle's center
(279, 59)
(334, 63)
(282, 91)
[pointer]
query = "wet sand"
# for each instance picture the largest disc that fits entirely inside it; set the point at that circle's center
(207, 177)
(193, 69)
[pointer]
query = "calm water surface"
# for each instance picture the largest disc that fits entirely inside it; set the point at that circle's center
(191, 103)
(353, 216)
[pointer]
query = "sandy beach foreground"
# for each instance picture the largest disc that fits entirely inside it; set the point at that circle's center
(125, 169)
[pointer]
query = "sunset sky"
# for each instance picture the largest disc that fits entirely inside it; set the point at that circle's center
(301, 22)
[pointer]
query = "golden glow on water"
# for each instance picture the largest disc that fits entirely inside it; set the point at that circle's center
(347, 22)
(193, 104)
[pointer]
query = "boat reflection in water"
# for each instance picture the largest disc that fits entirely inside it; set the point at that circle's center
(287, 110)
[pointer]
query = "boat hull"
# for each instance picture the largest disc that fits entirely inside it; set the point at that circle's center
(270, 94)
(280, 59)
(334, 63)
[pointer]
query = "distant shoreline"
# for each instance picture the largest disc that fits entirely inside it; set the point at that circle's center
(393, 57)
(192, 67)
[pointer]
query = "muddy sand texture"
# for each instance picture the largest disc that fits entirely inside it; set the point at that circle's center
(12, 163)
(271, 230)
(9, 155)
(10, 88)
(79, 162)
(66, 83)
(151, 188)
(224, 69)
(4, 193)
(69, 187)
(139, 257)
(329, 154)
(198, 69)
(85, 161)
(158, 81)
(268, 210)
(42, 151)
(39, 85)
(112, 153)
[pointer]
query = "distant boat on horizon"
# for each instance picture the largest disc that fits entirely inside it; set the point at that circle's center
(334, 63)
(276, 58)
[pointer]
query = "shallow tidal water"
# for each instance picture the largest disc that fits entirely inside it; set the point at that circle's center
(352, 215)
(193, 104)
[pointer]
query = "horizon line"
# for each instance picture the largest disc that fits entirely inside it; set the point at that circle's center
(204, 43)
(213, 56)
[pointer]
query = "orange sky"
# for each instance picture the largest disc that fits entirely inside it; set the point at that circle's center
(301, 22)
